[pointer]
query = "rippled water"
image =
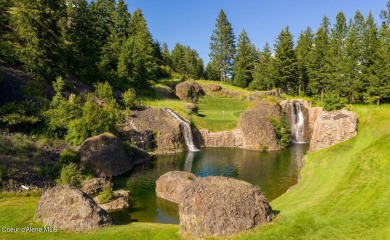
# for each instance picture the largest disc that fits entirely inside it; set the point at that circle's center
(272, 172)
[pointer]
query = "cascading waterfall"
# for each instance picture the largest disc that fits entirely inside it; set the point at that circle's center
(297, 123)
(186, 128)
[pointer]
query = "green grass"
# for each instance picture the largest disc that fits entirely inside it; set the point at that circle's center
(344, 193)
(215, 113)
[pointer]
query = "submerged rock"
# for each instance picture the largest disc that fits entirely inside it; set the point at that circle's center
(170, 185)
(106, 155)
(333, 127)
(220, 206)
(68, 208)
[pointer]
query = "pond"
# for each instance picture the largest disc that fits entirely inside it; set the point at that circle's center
(272, 172)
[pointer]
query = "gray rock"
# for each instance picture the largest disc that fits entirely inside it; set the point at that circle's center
(94, 185)
(106, 155)
(120, 200)
(170, 185)
(68, 208)
(333, 127)
(220, 206)
(189, 91)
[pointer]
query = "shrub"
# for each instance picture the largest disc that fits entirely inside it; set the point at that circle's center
(129, 98)
(20, 116)
(70, 174)
(69, 156)
(282, 131)
(106, 195)
(332, 102)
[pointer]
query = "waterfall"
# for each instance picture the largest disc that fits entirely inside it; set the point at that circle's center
(297, 123)
(187, 133)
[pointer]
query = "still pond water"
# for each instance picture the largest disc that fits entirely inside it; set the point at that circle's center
(272, 172)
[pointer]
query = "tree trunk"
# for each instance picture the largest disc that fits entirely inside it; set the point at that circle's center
(377, 102)
(322, 95)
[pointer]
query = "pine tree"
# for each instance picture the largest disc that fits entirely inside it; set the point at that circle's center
(353, 45)
(285, 63)
(222, 46)
(186, 61)
(212, 72)
(244, 61)
(319, 64)
(166, 56)
(264, 74)
(302, 51)
(137, 62)
(83, 42)
(338, 56)
(38, 35)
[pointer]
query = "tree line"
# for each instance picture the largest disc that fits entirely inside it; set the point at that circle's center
(349, 59)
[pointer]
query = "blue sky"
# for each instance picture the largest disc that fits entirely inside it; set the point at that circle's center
(191, 22)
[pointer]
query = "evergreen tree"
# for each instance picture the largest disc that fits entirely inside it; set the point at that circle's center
(302, 51)
(353, 45)
(186, 61)
(38, 35)
(137, 62)
(285, 63)
(319, 62)
(338, 53)
(83, 42)
(166, 56)
(222, 46)
(7, 50)
(263, 77)
(212, 72)
(244, 61)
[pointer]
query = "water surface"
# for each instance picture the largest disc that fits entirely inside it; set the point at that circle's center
(272, 172)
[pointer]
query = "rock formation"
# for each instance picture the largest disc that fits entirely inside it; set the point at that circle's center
(220, 206)
(68, 208)
(154, 129)
(333, 127)
(120, 200)
(232, 138)
(106, 155)
(189, 91)
(257, 131)
(94, 185)
(170, 185)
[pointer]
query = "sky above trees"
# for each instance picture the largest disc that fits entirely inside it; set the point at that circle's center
(191, 22)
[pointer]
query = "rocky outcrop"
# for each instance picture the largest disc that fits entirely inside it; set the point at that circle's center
(170, 185)
(106, 155)
(154, 129)
(257, 131)
(189, 91)
(333, 127)
(120, 200)
(220, 206)
(68, 208)
(260, 94)
(94, 185)
(232, 138)
(216, 90)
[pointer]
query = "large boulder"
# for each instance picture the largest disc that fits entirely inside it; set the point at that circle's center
(256, 128)
(220, 206)
(68, 208)
(94, 185)
(189, 91)
(333, 127)
(170, 185)
(106, 155)
(155, 129)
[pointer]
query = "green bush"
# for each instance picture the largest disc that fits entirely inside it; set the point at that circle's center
(69, 156)
(282, 131)
(332, 102)
(106, 195)
(129, 98)
(20, 116)
(70, 174)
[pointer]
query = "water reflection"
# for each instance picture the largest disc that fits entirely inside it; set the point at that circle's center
(272, 172)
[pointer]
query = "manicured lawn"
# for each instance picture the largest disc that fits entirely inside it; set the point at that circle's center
(215, 114)
(344, 193)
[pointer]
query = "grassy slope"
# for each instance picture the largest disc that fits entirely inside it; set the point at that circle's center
(343, 194)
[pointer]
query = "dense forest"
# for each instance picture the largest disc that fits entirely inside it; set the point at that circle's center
(100, 41)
